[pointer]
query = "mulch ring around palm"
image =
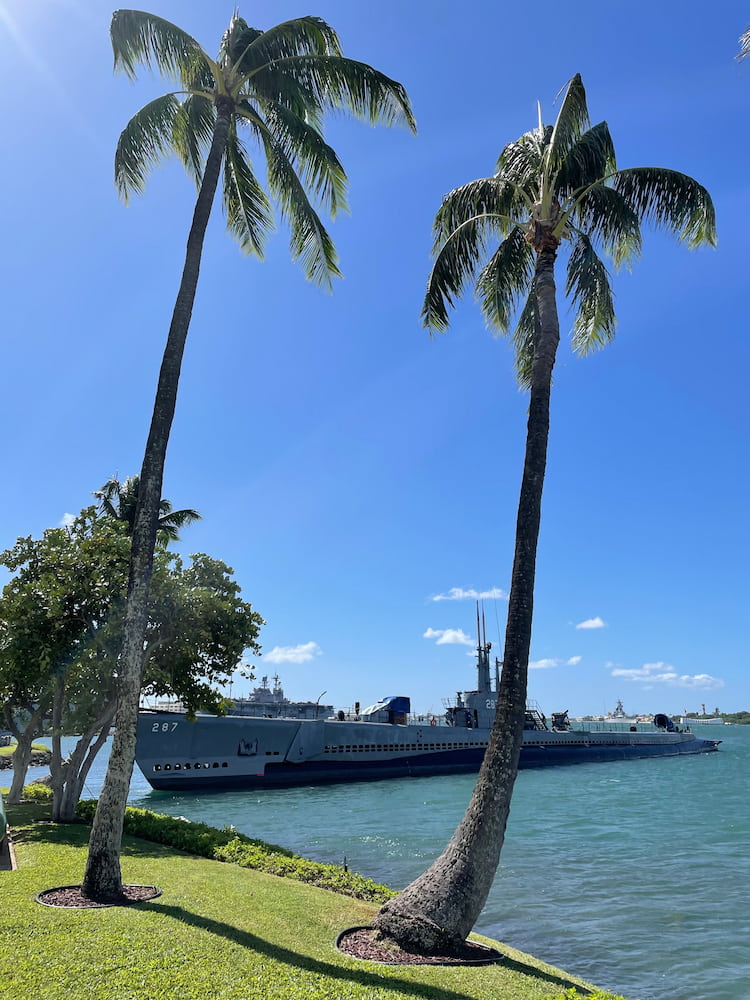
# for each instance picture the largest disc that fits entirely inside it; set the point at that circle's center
(71, 896)
(362, 942)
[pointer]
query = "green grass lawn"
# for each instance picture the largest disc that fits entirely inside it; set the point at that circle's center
(218, 932)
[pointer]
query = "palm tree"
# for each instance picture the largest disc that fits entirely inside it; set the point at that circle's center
(120, 500)
(276, 85)
(744, 44)
(556, 183)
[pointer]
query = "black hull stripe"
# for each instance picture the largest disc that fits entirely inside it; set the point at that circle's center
(285, 775)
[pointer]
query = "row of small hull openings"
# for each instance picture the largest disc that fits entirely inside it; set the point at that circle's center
(399, 747)
(343, 748)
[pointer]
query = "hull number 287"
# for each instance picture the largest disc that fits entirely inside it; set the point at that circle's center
(164, 727)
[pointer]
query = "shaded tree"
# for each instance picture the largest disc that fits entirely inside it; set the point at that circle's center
(556, 184)
(275, 86)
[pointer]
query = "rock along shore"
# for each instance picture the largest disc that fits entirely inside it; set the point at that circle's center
(39, 758)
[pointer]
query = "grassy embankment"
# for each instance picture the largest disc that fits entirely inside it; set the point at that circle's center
(218, 930)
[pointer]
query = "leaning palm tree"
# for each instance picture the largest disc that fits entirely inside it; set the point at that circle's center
(272, 88)
(556, 184)
(119, 500)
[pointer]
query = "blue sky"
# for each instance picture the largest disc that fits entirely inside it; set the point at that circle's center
(359, 476)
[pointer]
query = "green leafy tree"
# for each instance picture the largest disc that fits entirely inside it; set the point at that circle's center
(63, 591)
(119, 500)
(274, 87)
(61, 621)
(556, 184)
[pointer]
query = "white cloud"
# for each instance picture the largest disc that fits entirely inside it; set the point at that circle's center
(293, 654)
(67, 520)
(459, 594)
(545, 664)
(665, 673)
(554, 661)
(448, 636)
(592, 623)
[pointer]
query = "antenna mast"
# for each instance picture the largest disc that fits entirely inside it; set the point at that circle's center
(483, 654)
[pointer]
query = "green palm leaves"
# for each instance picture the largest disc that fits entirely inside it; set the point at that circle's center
(556, 183)
(277, 86)
(119, 500)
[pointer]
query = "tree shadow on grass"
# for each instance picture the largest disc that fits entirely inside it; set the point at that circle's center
(307, 964)
(77, 835)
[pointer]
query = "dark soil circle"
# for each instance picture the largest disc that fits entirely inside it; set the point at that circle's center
(72, 896)
(360, 942)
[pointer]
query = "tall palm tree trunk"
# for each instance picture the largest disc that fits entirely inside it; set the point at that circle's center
(103, 879)
(439, 909)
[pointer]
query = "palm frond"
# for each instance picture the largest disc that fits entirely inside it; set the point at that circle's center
(141, 38)
(505, 278)
(485, 196)
(250, 49)
(521, 160)
(247, 208)
(589, 159)
(106, 496)
(591, 294)
(272, 85)
(744, 45)
(313, 159)
(669, 200)
(109, 490)
(235, 40)
(145, 140)
(309, 242)
(604, 215)
(524, 338)
(193, 132)
(171, 521)
(455, 265)
(341, 84)
(571, 122)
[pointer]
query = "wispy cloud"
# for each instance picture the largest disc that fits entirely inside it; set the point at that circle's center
(448, 636)
(67, 520)
(554, 661)
(665, 673)
(592, 623)
(545, 664)
(293, 654)
(461, 594)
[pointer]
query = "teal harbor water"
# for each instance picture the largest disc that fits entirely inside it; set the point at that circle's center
(634, 875)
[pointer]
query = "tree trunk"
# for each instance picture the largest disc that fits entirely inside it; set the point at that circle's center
(57, 767)
(21, 760)
(103, 879)
(439, 909)
(76, 776)
(69, 776)
(22, 753)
